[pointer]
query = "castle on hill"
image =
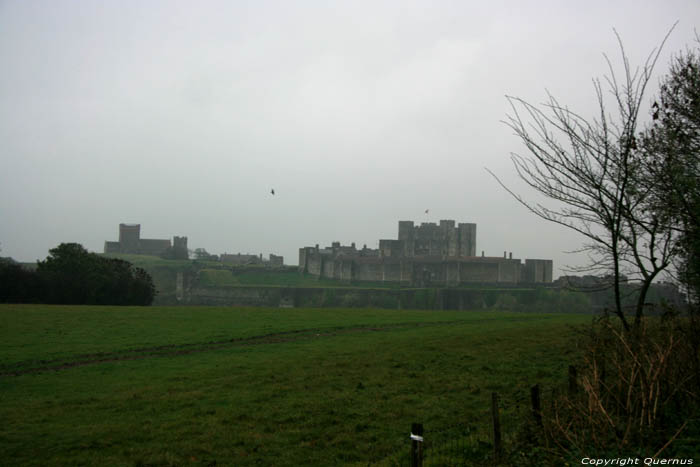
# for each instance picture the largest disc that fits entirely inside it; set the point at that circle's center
(130, 242)
(425, 254)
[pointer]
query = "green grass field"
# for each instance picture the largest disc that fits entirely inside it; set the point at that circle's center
(231, 386)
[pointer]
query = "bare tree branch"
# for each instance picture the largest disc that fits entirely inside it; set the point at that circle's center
(591, 171)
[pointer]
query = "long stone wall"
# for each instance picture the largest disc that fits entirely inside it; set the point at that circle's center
(423, 271)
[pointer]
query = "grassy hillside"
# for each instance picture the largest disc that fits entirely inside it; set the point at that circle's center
(287, 277)
(227, 386)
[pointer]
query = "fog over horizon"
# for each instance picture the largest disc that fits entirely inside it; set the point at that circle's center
(183, 116)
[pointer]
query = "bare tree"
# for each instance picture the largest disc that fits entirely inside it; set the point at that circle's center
(590, 170)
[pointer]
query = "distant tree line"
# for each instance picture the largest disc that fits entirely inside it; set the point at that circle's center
(72, 275)
(202, 254)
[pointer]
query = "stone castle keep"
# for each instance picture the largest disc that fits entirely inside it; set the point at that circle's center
(130, 242)
(423, 255)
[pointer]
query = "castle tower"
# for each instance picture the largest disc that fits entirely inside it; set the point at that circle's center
(449, 238)
(180, 248)
(407, 234)
(129, 237)
(467, 239)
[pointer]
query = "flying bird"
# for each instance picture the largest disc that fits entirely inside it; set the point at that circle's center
(272, 192)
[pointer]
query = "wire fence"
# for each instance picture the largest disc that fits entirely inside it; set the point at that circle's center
(516, 419)
(504, 420)
(468, 443)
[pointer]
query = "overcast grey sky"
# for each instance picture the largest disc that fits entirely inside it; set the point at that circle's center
(181, 116)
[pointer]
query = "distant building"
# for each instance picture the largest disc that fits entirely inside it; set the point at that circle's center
(248, 259)
(428, 254)
(276, 260)
(130, 242)
(239, 259)
(600, 289)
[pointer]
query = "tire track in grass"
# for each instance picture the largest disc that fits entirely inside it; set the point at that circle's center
(173, 350)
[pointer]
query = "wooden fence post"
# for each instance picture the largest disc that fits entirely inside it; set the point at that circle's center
(417, 445)
(536, 406)
(496, 427)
